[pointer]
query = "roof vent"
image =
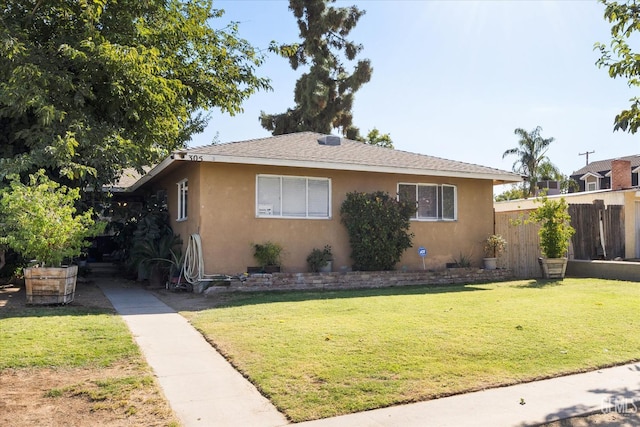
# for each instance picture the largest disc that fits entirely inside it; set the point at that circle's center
(329, 140)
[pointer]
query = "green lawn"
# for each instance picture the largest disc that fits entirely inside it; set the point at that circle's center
(52, 344)
(322, 354)
(63, 337)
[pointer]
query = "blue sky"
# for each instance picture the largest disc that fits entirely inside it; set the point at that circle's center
(453, 79)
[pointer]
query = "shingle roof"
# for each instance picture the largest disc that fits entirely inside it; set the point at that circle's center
(605, 165)
(303, 148)
(128, 177)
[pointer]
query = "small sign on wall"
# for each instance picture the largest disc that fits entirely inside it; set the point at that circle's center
(422, 251)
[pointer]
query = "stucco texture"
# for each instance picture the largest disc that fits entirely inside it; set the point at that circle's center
(221, 208)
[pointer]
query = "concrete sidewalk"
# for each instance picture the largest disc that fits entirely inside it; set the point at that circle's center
(204, 390)
(520, 405)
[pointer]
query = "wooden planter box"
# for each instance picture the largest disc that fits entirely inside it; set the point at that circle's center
(50, 285)
(553, 268)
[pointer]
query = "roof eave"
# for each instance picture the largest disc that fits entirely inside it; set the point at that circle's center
(152, 173)
(593, 174)
(499, 178)
(182, 156)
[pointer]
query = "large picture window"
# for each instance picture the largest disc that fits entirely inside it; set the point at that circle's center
(183, 190)
(293, 197)
(433, 201)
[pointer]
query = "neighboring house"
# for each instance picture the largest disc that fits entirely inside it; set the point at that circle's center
(608, 220)
(597, 175)
(289, 188)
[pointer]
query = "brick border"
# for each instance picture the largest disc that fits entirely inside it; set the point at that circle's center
(360, 280)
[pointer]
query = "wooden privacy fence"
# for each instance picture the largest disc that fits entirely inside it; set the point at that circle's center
(594, 223)
(523, 249)
(523, 243)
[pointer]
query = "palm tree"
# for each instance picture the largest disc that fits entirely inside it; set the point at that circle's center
(531, 152)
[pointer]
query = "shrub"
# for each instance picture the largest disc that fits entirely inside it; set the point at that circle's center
(378, 229)
(318, 258)
(494, 246)
(555, 228)
(267, 254)
(40, 220)
(462, 261)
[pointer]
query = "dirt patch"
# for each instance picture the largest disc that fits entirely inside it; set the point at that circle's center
(88, 294)
(48, 397)
(189, 301)
(74, 397)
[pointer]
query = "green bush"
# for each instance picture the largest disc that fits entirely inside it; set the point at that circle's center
(319, 258)
(40, 220)
(267, 254)
(378, 229)
(555, 228)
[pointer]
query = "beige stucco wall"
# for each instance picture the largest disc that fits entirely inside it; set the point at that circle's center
(630, 228)
(221, 207)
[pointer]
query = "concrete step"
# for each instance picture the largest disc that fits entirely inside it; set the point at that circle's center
(104, 269)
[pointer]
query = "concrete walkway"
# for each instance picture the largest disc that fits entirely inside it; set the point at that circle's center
(204, 390)
(201, 387)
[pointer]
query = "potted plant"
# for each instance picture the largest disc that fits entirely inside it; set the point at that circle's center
(494, 246)
(320, 260)
(555, 233)
(268, 256)
(156, 257)
(461, 261)
(41, 223)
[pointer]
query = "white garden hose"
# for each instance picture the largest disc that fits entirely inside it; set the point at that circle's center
(194, 261)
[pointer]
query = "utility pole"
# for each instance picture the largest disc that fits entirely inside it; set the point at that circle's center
(586, 153)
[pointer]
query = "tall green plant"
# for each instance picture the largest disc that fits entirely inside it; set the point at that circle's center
(531, 154)
(40, 220)
(378, 229)
(555, 227)
(158, 253)
(324, 94)
(267, 253)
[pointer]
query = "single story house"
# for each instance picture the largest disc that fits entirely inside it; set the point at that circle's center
(288, 189)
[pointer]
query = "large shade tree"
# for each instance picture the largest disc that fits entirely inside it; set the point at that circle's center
(620, 57)
(88, 88)
(324, 94)
(531, 159)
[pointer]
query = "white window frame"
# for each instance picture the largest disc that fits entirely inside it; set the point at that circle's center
(264, 210)
(439, 201)
(183, 198)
